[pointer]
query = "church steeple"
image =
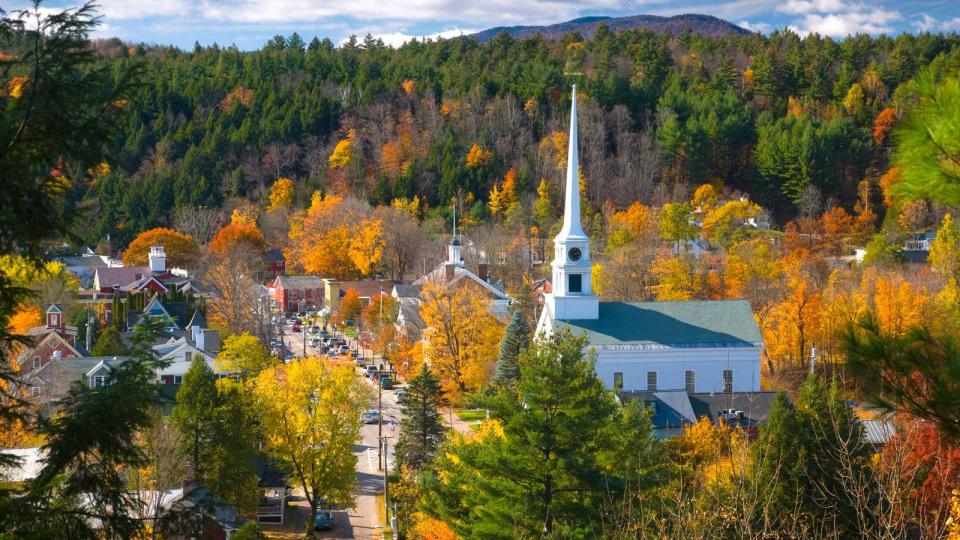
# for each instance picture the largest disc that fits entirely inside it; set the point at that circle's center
(454, 253)
(572, 296)
(572, 227)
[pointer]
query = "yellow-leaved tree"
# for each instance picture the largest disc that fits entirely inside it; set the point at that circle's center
(243, 218)
(343, 153)
(281, 195)
(463, 336)
(310, 414)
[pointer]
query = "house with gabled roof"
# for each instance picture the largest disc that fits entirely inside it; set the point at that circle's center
(54, 339)
(454, 273)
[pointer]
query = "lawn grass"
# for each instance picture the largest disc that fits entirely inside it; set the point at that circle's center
(472, 415)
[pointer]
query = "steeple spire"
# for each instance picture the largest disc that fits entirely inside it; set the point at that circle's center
(454, 255)
(571, 205)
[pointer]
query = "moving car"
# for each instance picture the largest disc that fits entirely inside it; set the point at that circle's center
(296, 327)
(370, 417)
(370, 371)
(323, 521)
(386, 381)
(400, 394)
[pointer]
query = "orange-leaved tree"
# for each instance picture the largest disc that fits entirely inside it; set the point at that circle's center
(180, 248)
(245, 238)
(463, 337)
(337, 238)
(350, 305)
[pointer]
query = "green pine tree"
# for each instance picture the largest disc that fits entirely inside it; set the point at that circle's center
(421, 430)
(566, 450)
(195, 414)
(804, 455)
(109, 343)
(516, 339)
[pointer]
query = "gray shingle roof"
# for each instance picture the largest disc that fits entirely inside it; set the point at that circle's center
(301, 282)
(720, 323)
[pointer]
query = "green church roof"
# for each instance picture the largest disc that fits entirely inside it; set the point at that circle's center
(720, 323)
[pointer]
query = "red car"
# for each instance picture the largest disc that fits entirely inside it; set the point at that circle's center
(296, 328)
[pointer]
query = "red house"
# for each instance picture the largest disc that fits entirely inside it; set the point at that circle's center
(54, 340)
(298, 293)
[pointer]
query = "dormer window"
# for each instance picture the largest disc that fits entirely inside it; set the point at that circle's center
(100, 381)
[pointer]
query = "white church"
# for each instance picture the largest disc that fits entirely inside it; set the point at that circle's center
(697, 346)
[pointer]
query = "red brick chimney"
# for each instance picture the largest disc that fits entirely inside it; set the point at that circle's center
(483, 271)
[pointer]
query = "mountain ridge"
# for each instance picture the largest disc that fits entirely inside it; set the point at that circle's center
(700, 24)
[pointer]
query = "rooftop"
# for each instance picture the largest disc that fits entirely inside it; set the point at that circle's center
(720, 323)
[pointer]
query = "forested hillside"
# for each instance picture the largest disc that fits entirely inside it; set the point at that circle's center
(787, 120)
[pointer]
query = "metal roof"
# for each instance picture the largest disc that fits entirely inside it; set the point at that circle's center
(721, 323)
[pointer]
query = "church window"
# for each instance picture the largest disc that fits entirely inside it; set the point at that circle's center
(651, 380)
(618, 380)
(728, 380)
(576, 283)
(690, 381)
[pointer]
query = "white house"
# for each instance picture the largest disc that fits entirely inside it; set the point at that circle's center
(709, 346)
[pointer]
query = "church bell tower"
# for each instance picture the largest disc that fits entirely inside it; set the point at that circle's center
(572, 296)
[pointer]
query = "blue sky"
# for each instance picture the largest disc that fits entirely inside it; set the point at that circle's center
(250, 23)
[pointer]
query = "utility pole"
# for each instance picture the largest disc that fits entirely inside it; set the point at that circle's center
(304, 328)
(380, 457)
(384, 443)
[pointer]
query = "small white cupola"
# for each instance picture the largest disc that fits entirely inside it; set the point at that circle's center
(158, 259)
(54, 317)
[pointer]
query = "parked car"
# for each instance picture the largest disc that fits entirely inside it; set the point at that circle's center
(287, 358)
(386, 381)
(370, 417)
(314, 329)
(370, 370)
(323, 521)
(314, 342)
(400, 394)
(296, 327)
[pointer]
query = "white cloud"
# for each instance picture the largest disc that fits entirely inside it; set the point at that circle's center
(930, 24)
(760, 27)
(839, 18)
(396, 39)
(926, 23)
(951, 25)
(812, 6)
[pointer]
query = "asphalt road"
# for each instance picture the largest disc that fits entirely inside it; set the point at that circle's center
(362, 521)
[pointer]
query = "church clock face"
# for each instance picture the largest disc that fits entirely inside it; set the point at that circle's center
(574, 254)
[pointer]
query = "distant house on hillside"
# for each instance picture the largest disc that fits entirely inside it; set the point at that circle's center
(917, 248)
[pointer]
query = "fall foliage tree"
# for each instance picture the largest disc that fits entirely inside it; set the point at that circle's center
(883, 124)
(281, 195)
(677, 278)
(350, 306)
(463, 336)
(342, 154)
(338, 238)
(310, 413)
(675, 222)
(245, 238)
(244, 355)
(945, 249)
(242, 217)
(180, 249)
(478, 157)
